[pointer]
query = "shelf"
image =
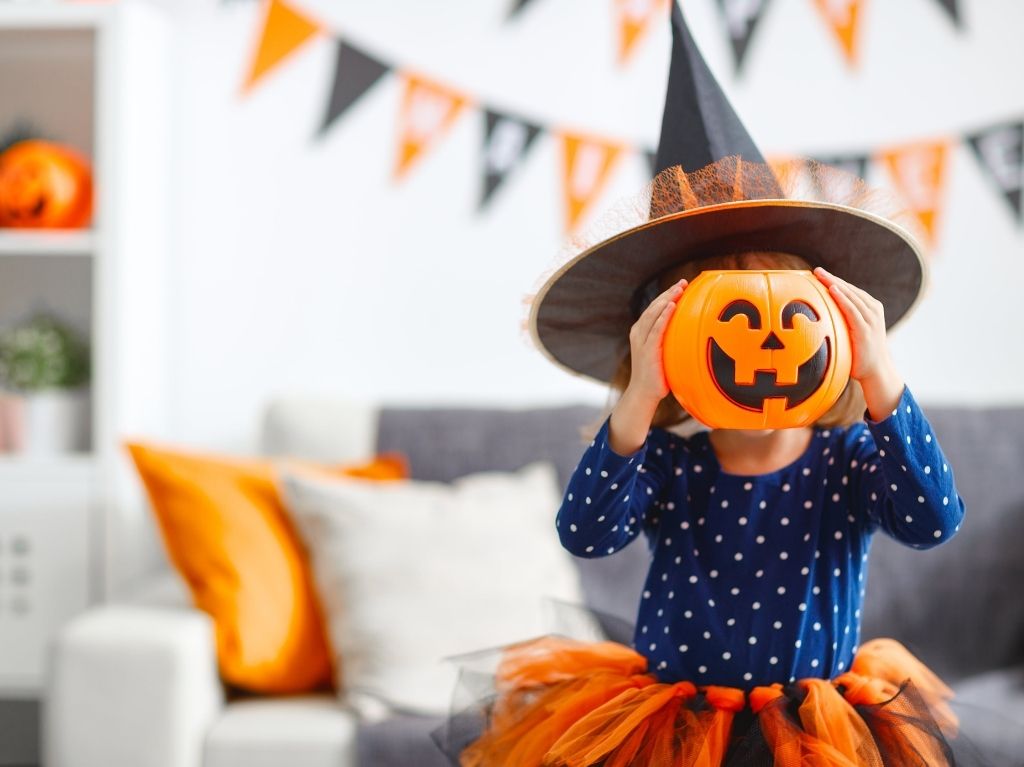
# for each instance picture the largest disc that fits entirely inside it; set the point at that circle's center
(47, 242)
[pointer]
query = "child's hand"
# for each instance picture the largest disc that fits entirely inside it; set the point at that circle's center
(647, 381)
(872, 364)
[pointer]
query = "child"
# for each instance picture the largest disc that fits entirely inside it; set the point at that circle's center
(746, 648)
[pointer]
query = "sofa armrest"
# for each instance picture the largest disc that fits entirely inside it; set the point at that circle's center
(132, 686)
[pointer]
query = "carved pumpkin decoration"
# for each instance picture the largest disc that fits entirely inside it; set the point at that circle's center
(751, 349)
(44, 186)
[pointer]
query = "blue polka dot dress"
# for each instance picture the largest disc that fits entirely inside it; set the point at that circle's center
(759, 579)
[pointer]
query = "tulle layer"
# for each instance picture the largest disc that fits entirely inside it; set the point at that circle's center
(560, 702)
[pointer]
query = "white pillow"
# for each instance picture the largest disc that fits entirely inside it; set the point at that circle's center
(411, 572)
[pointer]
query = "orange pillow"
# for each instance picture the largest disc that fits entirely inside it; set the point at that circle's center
(229, 536)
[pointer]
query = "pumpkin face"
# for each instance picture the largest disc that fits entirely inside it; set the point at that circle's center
(750, 349)
(44, 186)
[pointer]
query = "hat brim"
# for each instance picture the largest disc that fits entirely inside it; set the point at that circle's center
(581, 316)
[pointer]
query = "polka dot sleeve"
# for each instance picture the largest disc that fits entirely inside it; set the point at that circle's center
(608, 498)
(903, 480)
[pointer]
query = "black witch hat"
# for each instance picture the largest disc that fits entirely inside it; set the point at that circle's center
(714, 194)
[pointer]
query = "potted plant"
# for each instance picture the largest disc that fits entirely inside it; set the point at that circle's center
(44, 363)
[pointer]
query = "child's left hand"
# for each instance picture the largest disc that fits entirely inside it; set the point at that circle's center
(872, 363)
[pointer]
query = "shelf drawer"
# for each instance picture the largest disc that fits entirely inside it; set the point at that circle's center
(45, 511)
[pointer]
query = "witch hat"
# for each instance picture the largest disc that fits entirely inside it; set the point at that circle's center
(715, 195)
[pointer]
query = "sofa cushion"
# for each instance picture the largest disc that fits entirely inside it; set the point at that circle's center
(991, 711)
(400, 741)
(306, 731)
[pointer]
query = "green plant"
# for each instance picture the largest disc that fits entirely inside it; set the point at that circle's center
(43, 353)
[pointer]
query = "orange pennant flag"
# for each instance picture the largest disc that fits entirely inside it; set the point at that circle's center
(285, 30)
(587, 165)
(844, 17)
(427, 111)
(919, 173)
(634, 17)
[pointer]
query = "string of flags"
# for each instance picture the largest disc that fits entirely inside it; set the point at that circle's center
(429, 108)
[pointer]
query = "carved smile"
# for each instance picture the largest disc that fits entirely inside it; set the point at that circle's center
(810, 376)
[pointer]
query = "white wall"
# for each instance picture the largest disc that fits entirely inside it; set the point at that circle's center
(299, 266)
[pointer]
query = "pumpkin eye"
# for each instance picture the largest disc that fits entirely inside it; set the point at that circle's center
(794, 308)
(744, 307)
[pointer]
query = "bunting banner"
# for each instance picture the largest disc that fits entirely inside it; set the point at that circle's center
(633, 19)
(429, 108)
(427, 111)
(919, 175)
(843, 18)
(284, 31)
(587, 163)
(354, 73)
(952, 9)
(517, 7)
(1000, 152)
(506, 142)
(741, 18)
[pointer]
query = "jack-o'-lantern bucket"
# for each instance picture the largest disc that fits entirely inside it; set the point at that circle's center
(757, 349)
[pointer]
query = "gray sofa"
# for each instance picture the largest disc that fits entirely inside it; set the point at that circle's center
(135, 684)
(959, 607)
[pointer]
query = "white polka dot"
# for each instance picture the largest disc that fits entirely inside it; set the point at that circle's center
(747, 485)
(587, 499)
(601, 518)
(688, 614)
(756, 606)
(718, 538)
(777, 624)
(742, 521)
(726, 655)
(805, 570)
(783, 555)
(807, 537)
(615, 485)
(683, 648)
(734, 591)
(711, 603)
(679, 471)
(908, 439)
(836, 572)
(920, 499)
(839, 535)
(927, 437)
(653, 646)
(697, 468)
(588, 471)
(762, 504)
(881, 453)
(806, 472)
(781, 590)
(760, 539)
(738, 556)
(693, 579)
(684, 526)
(773, 660)
(816, 590)
(604, 473)
(678, 560)
(835, 497)
(945, 467)
(748, 676)
(808, 504)
(814, 663)
(589, 549)
(785, 487)
(784, 521)
(759, 573)
(702, 669)
(707, 635)
(797, 644)
(731, 622)
(725, 504)
(713, 573)
(573, 527)
(647, 595)
(937, 533)
(874, 496)
(570, 496)
(945, 500)
(893, 487)
(802, 607)
(817, 626)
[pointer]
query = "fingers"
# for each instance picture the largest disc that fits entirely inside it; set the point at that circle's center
(870, 307)
(650, 315)
(850, 310)
(657, 334)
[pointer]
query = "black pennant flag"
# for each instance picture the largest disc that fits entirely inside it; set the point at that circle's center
(652, 161)
(354, 73)
(1000, 152)
(855, 164)
(741, 18)
(517, 6)
(506, 142)
(952, 7)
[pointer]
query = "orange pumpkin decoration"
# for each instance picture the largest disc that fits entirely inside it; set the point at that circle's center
(750, 349)
(44, 186)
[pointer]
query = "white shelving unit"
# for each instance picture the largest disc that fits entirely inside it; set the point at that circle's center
(96, 77)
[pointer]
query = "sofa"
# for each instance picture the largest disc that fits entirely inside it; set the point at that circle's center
(134, 683)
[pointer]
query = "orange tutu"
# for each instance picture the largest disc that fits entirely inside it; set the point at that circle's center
(566, 703)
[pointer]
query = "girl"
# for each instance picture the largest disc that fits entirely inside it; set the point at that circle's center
(747, 634)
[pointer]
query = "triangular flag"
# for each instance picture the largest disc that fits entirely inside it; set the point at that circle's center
(354, 73)
(517, 6)
(1000, 152)
(856, 165)
(843, 17)
(506, 140)
(586, 167)
(952, 9)
(633, 18)
(651, 157)
(919, 173)
(741, 18)
(427, 110)
(284, 31)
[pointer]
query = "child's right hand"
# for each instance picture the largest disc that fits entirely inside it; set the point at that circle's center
(647, 381)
